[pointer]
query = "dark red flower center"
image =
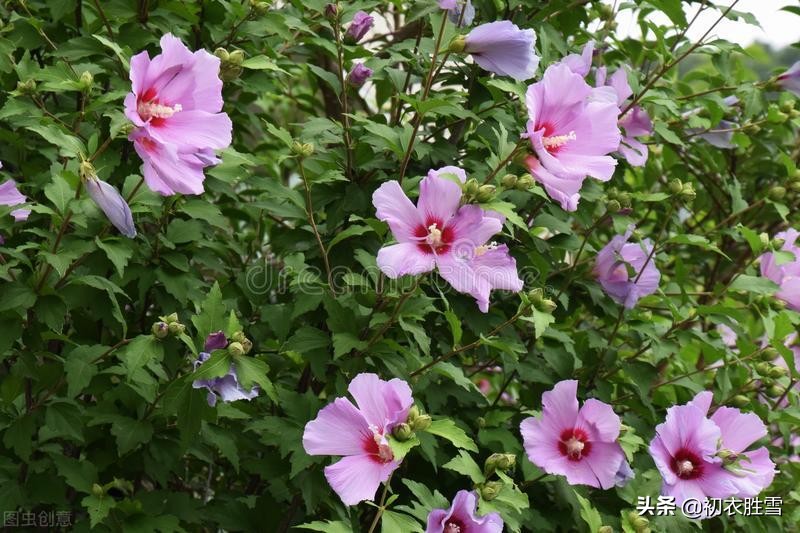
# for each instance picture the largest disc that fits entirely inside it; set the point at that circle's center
(434, 237)
(378, 449)
(454, 525)
(686, 464)
(574, 444)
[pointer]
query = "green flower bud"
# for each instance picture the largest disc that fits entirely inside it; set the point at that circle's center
(169, 319)
(86, 170)
(777, 372)
(605, 529)
(794, 113)
(777, 243)
(259, 8)
(775, 391)
(613, 206)
(481, 422)
(509, 181)
(302, 149)
(740, 400)
(769, 354)
(763, 238)
(421, 423)
(86, 81)
(640, 523)
(787, 106)
(97, 490)
(485, 193)
(238, 337)
(688, 193)
(222, 54)
(763, 368)
(413, 414)
(624, 199)
(753, 128)
(491, 489)
(160, 330)
(402, 432)
(499, 461)
(767, 382)
(525, 182)
(471, 187)
(176, 328)
(457, 44)
(236, 349)
(547, 306)
(779, 117)
(794, 186)
(26, 87)
(777, 193)
(247, 344)
(675, 186)
(236, 57)
(536, 296)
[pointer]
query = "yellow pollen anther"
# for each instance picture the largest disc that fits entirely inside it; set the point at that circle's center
(482, 249)
(558, 140)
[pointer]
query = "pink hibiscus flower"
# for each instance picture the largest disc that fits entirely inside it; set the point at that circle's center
(580, 444)
(787, 275)
(612, 264)
(461, 517)
(359, 433)
(440, 233)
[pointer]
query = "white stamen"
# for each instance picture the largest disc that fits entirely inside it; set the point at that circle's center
(148, 110)
(434, 237)
(558, 140)
(482, 249)
(574, 447)
(384, 450)
(452, 528)
(685, 467)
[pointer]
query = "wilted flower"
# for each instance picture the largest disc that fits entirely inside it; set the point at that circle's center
(701, 457)
(360, 435)
(618, 268)
(501, 47)
(572, 128)
(786, 274)
(226, 387)
(176, 104)
(579, 443)
(358, 75)
(112, 204)
(359, 26)
(461, 517)
(790, 80)
(437, 233)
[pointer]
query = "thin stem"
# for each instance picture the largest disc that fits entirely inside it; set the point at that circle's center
(381, 507)
(500, 166)
(343, 96)
(580, 251)
(426, 89)
(310, 213)
(103, 17)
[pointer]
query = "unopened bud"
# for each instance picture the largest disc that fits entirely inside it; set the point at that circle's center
(525, 182)
(688, 192)
(775, 391)
(176, 328)
(491, 489)
(413, 413)
(777, 193)
(247, 344)
(238, 337)
(675, 186)
(547, 306)
(787, 106)
(485, 193)
(331, 11)
(402, 432)
(259, 8)
(97, 490)
(769, 354)
(777, 372)
(767, 382)
(763, 368)
(26, 87)
(169, 319)
(777, 243)
(303, 149)
(728, 456)
(236, 57)
(86, 170)
(222, 54)
(509, 181)
(740, 400)
(605, 529)
(421, 423)
(536, 296)
(86, 81)
(458, 44)
(778, 117)
(614, 206)
(624, 199)
(499, 461)
(640, 523)
(471, 187)
(753, 128)
(236, 349)
(160, 330)
(481, 422)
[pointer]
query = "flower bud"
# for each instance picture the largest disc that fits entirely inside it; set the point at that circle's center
(402, 432)
(238, 337)
(624, 199)
(485, 193)
(176, 328)
(769, 354)
(86, 81)
(777, 372)
(491, 489)
(767, 382)
(763, 368)
(302, 149)
(332, 11)
(471, 187)
(675, 186)
(787, 106)
(236, 349)
(688, 193)
(640, 524)
(728, 456)
(97, 490)
(536, 296)
(358, 75)
(740, 400)
(613, 206)
(777, 193)
(413, 414)
(160, 330)
(169, 319)
(26, 87)
(86, 170)
(259, 8)
(457, 44)
(247, 344)
(777, 243)
(222, 54)
(509, 181)
(525, 182)
(753, 128)
(547, 306)
(499, 461)
(605, 529)
(775, 391)
(421, 423)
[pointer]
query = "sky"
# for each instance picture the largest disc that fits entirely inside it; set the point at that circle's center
(778, 28)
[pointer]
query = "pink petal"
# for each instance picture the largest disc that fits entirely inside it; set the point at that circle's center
(383, 403)
(438, 200)
(356, 478)
(339, 429)
(460, 173)
(560, 405)
(404, 259)
(393, 207)
(600, 418)
(760, 471)
(633, 151)
(604, 460)
(199, 129)
(541, 443)
(739, 430)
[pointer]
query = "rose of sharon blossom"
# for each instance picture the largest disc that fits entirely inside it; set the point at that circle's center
(501, 47)
(111, 202)
(176, 104)
(461, 517)
(572, 129)
(635, 123)
(612, 269)
(701, 457)
(358, 75)
(359, 27)
(10, 196)
(359, 434)
(790, 80)
(580, 444)
(786, 275)
(226, 387)
(437, 233)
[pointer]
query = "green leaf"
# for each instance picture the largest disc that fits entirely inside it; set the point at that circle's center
(466, 465)
(59, 193)
(447, 429)
(401, 448)
(119, 253)
(250, 371)
(68, 145)
(589, 514)
(79, 475)
(327, 526)
(98, 507)
(261, 63)
(393, 522)
(214, 367)
(212, 317)
(140, 351)
(80, 368)
(755, 284)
